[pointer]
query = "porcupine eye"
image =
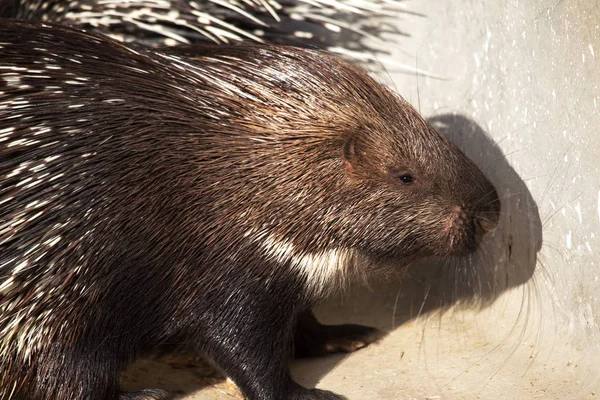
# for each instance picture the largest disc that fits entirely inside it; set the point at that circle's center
(406, 179)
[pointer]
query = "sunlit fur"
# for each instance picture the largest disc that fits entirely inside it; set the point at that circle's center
(150, 198)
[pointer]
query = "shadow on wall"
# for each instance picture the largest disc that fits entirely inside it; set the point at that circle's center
(507, 258)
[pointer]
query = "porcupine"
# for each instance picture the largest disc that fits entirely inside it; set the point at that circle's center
(150, 198)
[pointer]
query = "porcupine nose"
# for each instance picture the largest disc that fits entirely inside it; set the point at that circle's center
(466, 227)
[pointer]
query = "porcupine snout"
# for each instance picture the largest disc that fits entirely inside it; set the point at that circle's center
(467, 226)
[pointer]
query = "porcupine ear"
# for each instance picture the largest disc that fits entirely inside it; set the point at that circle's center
(351, 152)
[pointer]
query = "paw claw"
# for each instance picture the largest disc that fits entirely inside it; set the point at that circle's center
(328, 339)
(349, 338)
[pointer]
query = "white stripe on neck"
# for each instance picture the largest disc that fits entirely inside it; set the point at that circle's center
(323, 270)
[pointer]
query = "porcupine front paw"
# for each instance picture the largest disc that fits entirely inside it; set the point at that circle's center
(346, 339)
(146, 394)
(314, 339)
